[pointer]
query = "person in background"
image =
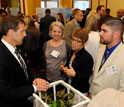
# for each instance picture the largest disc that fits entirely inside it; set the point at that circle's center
(120, 14)
(108, 11)
(44, 25)
(92, 45)
(73, 25)
(72, 14)
(17, 84)
(109, 67)
(80, 63)
(100, 11)
(55, 51)
(60, 18)
(30, 46)
(8, 11)
(3, 13)
(20, 15)
(1, 17)
(36, 22)
(82, 23)
(101, 20)
(92, 12)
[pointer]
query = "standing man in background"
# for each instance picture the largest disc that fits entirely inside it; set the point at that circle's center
(109, 68)
(72, 14)
(100, 11)
(73, 25)
(16, 83)
(44, 25)
(120, 14)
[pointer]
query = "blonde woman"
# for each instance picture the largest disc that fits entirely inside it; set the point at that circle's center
(55, 51)
(92, 45)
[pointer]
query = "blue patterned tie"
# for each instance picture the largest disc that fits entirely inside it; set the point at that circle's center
(104, 58)
(78, 26)
(22, 63)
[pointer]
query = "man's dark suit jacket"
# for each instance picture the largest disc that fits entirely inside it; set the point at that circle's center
(44, 26)
(14, 87)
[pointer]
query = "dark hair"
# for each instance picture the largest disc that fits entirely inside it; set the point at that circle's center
(108, 11)
(102, 19)
(87, 11)
(10, 22)
(115, 24)
(61, 16)
(81, 34)
(76, 11)
(3, 11)
(47, 11)
(99, 7)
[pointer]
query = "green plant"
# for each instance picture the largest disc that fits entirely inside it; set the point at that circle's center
(63, 99)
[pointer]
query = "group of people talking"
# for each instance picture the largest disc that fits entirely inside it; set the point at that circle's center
(71, 63)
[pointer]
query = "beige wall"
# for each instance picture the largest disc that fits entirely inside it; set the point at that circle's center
(14, 3)
(65, 3)
(0, 3)
(114, 5)
(30, 6)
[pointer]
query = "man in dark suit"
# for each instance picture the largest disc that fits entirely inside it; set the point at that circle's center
(44, 25)
(16, 83)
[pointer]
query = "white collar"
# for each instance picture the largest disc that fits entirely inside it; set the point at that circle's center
(76, 22)
(9, 46)
(122, 17)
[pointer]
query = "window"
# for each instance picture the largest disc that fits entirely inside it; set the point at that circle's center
(42, 4)
(50, 3)
(81, 4)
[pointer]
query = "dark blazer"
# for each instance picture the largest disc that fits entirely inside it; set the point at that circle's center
(44, 26)
(82, 64)
(31, 47)
(14, 87)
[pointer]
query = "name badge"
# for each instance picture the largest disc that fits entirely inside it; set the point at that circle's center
(55, 53)
(110, 70)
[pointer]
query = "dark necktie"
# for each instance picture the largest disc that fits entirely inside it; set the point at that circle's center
(22, 63)
(104, 58)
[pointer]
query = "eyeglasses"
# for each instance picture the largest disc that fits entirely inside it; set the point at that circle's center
(76, 41)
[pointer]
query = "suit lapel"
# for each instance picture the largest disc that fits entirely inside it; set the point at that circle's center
(109, 61)
(74, 23)
(99, 58)
(16, 63)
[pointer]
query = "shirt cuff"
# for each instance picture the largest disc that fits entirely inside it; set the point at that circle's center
(35, 88)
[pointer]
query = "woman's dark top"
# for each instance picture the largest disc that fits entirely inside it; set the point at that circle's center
(82, 64)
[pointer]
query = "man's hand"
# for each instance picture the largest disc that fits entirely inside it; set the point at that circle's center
(90, 95)
(41, 84)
